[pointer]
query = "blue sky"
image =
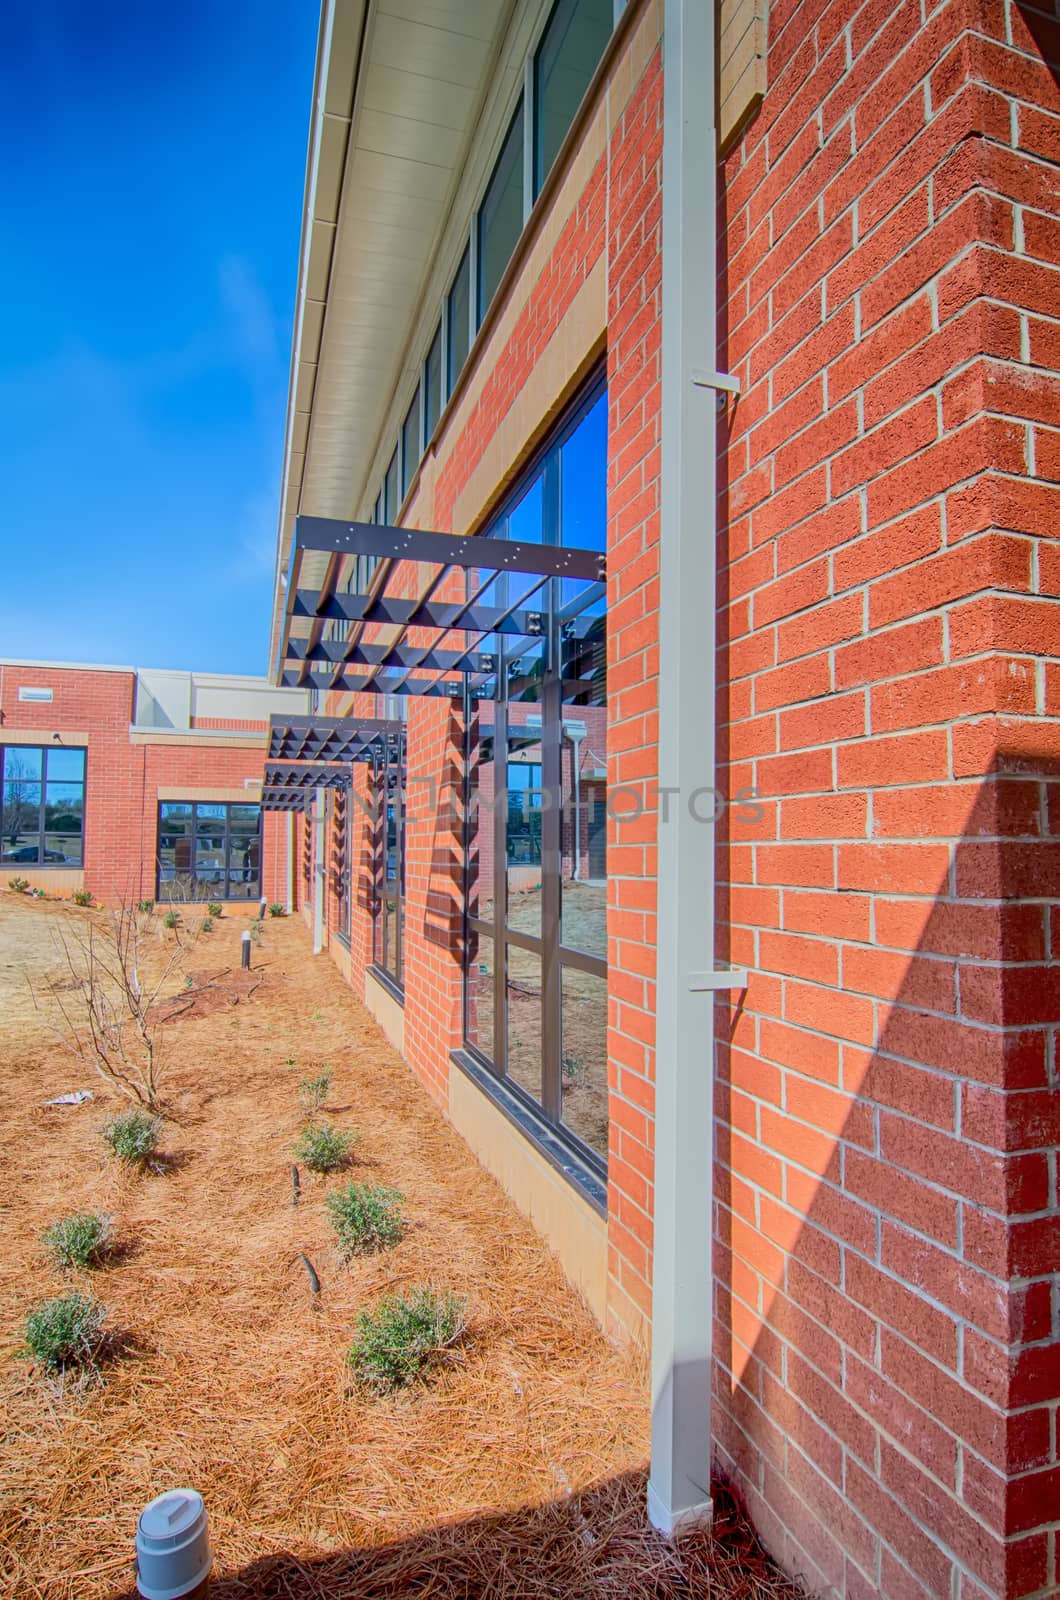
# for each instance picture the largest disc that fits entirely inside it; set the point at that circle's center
(151, 193)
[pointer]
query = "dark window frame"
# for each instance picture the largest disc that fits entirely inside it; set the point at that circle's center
(164, 897)
(555, 955)
(41, 864)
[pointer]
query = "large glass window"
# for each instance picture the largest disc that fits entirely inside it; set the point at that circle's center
(209, 850)
(410, 443)
(567, 57)
(432, 388)
(536, 865)
(500, 217)
(42, 805)
(458, 321)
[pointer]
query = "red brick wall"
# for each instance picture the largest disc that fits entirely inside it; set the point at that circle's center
(123, 779)
(887, 1223)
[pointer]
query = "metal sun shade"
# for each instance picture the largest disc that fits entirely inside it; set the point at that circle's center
(357, 665)
(329, 739)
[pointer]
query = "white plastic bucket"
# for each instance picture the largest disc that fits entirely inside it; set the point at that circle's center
(173, 1546)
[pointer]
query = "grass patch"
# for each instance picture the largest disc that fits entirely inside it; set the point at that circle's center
(145, 906)
(81, 1239)
(324, 1148)
(313, 1092)
(366, 1217)
(404, 1336)
(66, 1332)
(132, 1137)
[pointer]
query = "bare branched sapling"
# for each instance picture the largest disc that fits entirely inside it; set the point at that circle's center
(114, 1016)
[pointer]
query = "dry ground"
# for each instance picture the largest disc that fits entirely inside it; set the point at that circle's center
(234, 1382)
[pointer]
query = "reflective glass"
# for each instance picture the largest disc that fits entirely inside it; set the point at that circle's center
(23, 761)
(410, 443)
(500, 218)
(392, 489)
(567, 57)
(458, 318)
(583, 1072)
(67, 764)
(525, 806)
(434, 385)
(523, 989)
(481, 770)
(479, 1018)
(583, 881)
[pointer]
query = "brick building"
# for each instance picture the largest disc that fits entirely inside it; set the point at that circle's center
(139, 784)
(543, 270)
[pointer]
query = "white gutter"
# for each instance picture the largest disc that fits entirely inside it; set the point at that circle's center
(290, 863)
(682, 1284)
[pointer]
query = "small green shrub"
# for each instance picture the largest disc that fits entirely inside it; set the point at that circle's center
(215, 909)
(146, 906)
(256, 935)
(133, 1136)
(81, 1239)
(171, 919)
(313, 1093)
(205, 925)
(323, 1148)
(276, 910)
(366, 1217)
(20, 885)
(66, 1332)
(404, 1336)
(82, 897)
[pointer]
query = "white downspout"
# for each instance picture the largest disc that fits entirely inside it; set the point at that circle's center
(290, 862)
(319, 869)
(682, 1284)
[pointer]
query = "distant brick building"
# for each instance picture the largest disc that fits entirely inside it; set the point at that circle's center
(138, 785)
(777, 1078)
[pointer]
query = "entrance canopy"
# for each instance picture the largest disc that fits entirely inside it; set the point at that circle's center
(352, 625)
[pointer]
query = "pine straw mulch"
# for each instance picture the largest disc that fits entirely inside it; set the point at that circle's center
(518, 1472)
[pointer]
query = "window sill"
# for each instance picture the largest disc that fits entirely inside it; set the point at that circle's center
(388, 982)
(568, 1162)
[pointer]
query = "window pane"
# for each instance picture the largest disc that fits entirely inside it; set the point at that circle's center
(23, 844)
(23, 761)
(410, 443)
(583, 1073)
(583, 829)
(525, 806)
(392, 490)
(176, 815)
(64, 807)
(210, 818)
(567, 57)
(481, 770)
(434, 385)
(524, 1019)
(479, 1014)
(458, 315)
(583, 481)
(500, 218)
(68, 764)
(244, 865)
(243, 819)
(20, 821)
(524, 523)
